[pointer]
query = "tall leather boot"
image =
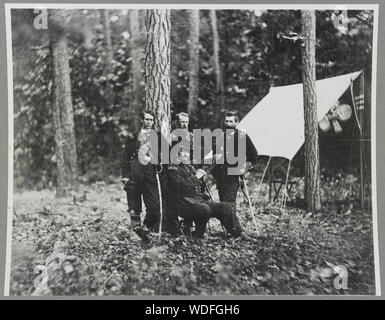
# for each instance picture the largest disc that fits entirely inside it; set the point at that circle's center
(152, 219)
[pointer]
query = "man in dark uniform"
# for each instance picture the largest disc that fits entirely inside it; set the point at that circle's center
(185, 198)
(182, 122)
(139, 175)
(228, 184)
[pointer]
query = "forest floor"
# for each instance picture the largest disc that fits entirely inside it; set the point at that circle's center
(83, 245)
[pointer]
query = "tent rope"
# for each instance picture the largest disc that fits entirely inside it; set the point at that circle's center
(256, 194)
(285, 188)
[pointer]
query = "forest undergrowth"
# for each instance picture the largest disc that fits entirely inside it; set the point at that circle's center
(83, 245)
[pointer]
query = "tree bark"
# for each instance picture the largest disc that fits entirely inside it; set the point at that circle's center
(218, 72)
(194, 63)
(157, 68)
(109, 54)
(136, 48)
(109, 94)
(312, 167)
(62, 109)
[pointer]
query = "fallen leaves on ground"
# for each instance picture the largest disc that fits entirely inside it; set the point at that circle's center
(83, 245)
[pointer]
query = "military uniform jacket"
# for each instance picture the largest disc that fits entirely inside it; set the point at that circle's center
(190, 140)
(251, 152)
(130, 152)
(183, 190)
(182, 183)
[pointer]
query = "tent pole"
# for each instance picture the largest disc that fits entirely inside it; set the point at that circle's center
(284, 197)
(255, 198)
(358, 113)
(361, 173)
(361, 110)
(270, 179)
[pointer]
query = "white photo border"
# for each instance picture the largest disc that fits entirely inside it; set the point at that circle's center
(10, 6)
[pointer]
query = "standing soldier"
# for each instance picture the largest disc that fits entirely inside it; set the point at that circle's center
(228, 184)
(139, 175)
(182, 124)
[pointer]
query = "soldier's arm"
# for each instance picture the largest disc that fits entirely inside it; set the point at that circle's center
(173, 178)
(125, 157)
(251, 151)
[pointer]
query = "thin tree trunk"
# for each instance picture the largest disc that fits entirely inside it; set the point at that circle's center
(142, 19)
(109, 54)
(62, 109)
(136, 62)
(312, 167)
(217, 65)
(109, 94)
(157, 67)
(194, 62)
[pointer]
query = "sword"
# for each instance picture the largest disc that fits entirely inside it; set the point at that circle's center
(245, 191)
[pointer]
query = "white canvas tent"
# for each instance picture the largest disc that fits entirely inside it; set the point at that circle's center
(276, 124)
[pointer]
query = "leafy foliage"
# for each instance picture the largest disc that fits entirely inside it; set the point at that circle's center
(254, 55)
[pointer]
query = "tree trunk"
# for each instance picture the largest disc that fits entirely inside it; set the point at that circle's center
(194, 63)
(109, 94)
(136, 62)
(157, 68)
(109, 54)
(218, 72)
(312, 168)
(62, 109)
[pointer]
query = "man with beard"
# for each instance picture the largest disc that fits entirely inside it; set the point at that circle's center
(228, 184)
(185, 198)
(139, 175)
(182, 122)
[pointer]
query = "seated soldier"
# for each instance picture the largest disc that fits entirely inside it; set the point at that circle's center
(185, 198)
